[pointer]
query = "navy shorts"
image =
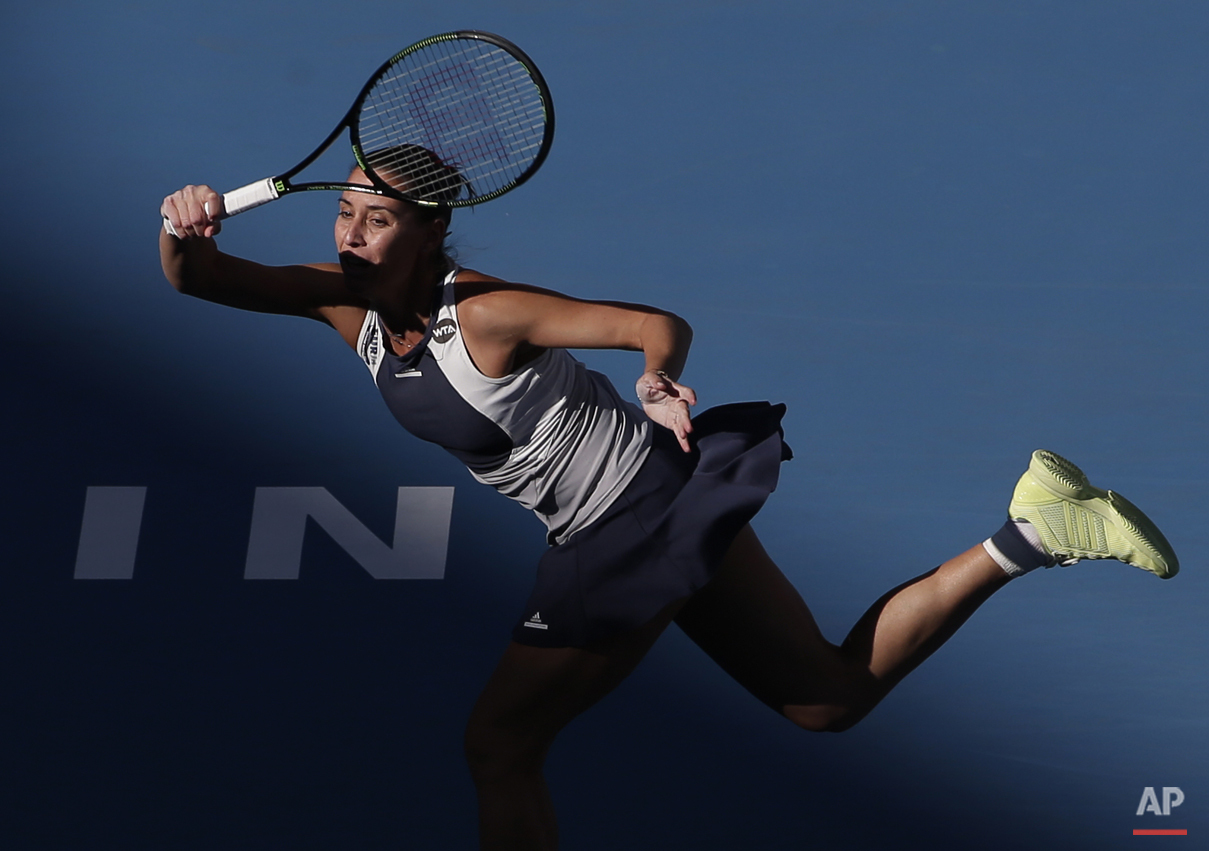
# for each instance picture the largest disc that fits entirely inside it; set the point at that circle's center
(663, 538)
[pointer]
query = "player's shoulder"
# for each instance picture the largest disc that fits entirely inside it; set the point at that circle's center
(478, 289)
(499, 309)
(337, 307)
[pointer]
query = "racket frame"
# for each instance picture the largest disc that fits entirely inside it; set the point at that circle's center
(272, 188)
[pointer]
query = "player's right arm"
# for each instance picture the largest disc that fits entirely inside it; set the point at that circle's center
(193, 265)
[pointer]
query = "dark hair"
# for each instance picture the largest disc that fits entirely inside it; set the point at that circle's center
(420, 174)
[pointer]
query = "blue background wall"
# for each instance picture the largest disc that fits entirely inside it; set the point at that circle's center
(944, 233)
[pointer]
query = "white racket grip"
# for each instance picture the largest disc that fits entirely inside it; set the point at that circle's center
(239, 200)
(246, 197)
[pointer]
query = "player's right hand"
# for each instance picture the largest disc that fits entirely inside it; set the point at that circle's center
(193, 211)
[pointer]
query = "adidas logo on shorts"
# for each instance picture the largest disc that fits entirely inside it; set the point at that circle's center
(535, 622)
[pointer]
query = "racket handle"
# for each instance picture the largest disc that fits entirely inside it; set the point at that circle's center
(246, 197)
(240, 200)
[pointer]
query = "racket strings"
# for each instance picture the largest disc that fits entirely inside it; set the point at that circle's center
(454, 120)
(436, 106)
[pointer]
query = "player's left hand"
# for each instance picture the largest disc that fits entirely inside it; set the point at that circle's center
(667, 403)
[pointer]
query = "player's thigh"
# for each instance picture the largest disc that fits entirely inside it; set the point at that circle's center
(754, 623)
(535, 691)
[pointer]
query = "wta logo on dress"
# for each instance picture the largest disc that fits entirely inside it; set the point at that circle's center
(444, 331)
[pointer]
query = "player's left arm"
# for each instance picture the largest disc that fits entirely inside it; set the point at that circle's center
(500, 319)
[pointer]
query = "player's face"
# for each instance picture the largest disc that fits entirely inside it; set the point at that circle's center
(381, 240)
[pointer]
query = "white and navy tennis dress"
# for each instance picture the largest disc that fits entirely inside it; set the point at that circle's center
(634, 521)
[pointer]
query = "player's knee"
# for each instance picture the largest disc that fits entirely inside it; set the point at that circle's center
(493, 754)
(825, 719)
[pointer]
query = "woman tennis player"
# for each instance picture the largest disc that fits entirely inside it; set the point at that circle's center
(647, 508)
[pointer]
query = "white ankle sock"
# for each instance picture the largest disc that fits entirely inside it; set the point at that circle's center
(1017, 548)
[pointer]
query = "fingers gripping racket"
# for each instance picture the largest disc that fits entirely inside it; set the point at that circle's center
(454, 120)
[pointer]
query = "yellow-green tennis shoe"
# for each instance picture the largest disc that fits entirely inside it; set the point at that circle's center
(1077, 521)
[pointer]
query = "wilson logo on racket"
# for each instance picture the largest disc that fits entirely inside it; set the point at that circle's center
(445, 331)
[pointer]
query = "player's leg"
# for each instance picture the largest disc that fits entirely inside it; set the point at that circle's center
(754, 623)
(533, 693)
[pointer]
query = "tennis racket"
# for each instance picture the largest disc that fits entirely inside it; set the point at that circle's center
(454, 120)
